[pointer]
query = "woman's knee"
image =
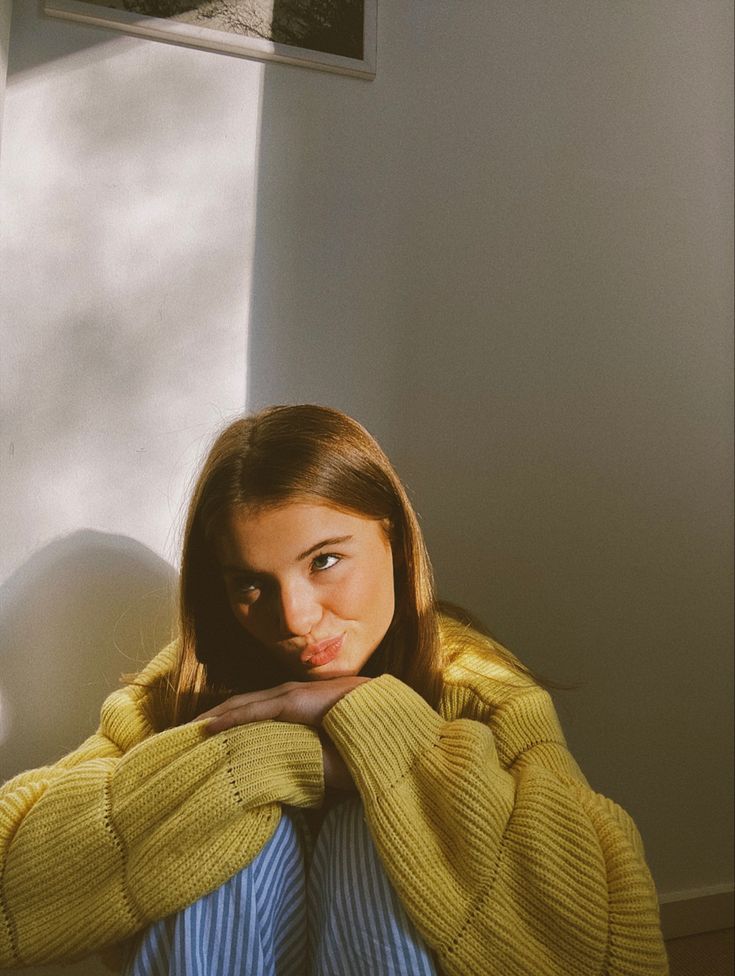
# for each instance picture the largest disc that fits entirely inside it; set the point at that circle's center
(345, 849)
(258, 915)
(346, 826)
(358, 922)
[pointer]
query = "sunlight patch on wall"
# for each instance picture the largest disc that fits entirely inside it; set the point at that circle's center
(128, 195)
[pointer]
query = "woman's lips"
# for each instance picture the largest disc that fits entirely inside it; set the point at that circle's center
(315, 655)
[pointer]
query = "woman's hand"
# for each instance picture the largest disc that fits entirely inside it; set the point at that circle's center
(300, 702)
(336, 774)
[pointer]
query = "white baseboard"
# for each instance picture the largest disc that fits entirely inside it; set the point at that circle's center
(702, 910)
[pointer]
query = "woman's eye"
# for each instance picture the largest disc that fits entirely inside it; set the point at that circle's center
(325, 561)
(246, 591)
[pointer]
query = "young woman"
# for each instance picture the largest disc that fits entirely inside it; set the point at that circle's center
(324, 773)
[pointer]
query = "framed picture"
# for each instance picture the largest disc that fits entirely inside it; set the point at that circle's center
(332, 35)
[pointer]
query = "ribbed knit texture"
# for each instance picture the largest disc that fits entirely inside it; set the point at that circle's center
(507, 862)
(505, 859)
(135, 825)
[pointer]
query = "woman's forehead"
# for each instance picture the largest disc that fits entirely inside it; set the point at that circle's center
(300, 510)
(287, 531)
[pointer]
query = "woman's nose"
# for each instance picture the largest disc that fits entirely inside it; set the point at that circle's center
(300, 610)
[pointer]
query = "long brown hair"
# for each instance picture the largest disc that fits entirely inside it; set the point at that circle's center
(271, 457)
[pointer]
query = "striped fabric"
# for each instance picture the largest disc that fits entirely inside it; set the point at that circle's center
(256, 923)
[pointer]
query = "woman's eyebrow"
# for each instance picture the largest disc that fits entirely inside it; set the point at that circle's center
(325, 542)
(242, 570)
(238, 570)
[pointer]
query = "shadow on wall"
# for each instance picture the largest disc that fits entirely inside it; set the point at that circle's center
(50, 43)
(78, 614)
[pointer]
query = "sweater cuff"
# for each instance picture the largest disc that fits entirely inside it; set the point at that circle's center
(381, 729)
(275, 761)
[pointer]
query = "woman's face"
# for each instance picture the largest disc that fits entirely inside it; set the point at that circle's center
(312, 583)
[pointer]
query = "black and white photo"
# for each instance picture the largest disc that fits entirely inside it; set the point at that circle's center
(332, 35)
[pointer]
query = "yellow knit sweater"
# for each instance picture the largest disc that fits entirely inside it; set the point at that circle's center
(504, 857)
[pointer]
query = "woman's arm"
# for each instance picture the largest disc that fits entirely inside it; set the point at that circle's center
(503, 856)
(135, 825)
(301, 702)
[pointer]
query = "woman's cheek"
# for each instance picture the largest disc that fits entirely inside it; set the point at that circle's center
(373, 594)
(241, 613)
(352, 594)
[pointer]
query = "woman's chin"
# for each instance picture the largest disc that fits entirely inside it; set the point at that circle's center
(327, 671)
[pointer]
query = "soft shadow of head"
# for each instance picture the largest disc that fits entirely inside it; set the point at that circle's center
(78, 614)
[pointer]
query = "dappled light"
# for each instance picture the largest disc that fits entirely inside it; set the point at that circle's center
(127, 194)
(505, 255)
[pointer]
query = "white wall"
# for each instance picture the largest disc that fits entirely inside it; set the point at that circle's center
(128, 176)
(534, 202)
(128, 199)
(6, 10)
(509, 255)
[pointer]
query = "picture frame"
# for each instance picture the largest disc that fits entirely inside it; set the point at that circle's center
(329, 35)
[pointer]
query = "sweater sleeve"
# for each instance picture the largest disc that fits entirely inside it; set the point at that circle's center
(501, 853)
(122, 832)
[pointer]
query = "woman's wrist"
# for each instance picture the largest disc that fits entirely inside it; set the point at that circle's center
(336, 774)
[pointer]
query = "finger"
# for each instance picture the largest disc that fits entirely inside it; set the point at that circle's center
(259, 711)
(237, 701)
